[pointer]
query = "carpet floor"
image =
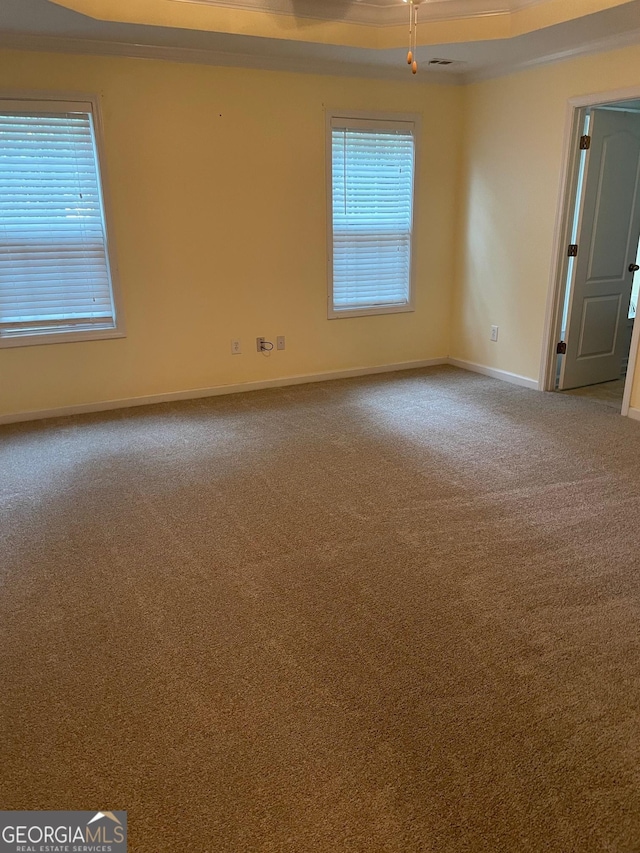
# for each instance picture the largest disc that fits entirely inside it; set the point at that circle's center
(397, 613)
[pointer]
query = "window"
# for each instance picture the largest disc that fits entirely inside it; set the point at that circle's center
(55, 271)
(372, 167)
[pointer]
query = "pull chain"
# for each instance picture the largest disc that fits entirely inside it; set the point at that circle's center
(414, 65)
(413, 34)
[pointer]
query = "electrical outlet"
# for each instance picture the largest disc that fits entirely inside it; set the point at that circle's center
(280, 342)
(236, 349)
(494, 333)
(260, 343)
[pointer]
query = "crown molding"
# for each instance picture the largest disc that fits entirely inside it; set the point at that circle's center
(75, 46)
(193, 56)
(373, 13)
(604, 45)
(336, 23)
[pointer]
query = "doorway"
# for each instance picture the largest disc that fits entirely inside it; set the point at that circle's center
(592, 333)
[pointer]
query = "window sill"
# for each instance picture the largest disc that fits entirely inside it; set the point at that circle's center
(366, 312)
(61, 338)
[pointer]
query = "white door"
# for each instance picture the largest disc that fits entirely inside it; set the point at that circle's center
(607, 243)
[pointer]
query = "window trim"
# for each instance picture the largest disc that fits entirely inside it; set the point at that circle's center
(367, 120)
(33, 101)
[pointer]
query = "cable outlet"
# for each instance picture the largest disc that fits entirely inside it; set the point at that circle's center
(280, 342)
(260, 344)
(494, 333)
(236, 349)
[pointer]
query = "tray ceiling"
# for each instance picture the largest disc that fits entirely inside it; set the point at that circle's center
(481, 37)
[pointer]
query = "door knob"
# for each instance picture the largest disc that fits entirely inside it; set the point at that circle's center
(633, 268)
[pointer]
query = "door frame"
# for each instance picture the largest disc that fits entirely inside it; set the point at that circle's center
(574, 122)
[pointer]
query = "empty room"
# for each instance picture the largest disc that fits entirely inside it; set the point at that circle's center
(319, 440)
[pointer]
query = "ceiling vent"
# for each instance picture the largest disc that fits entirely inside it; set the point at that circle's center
(444, 62)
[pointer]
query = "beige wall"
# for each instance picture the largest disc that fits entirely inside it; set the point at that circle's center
(218, 183)
(514, 140)
(217, 178)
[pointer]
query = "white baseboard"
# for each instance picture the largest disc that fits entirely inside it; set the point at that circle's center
(215, 391)
(514, 378)
(634, 414)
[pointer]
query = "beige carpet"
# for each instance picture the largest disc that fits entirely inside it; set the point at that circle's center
(391, 614)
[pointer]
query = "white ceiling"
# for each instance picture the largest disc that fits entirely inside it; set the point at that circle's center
(41, 24)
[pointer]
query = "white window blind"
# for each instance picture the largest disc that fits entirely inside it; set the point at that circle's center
(372, 213)
(54, 266)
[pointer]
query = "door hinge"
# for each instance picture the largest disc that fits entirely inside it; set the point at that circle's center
(572, 251)
(585, 143)
(561, 349)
